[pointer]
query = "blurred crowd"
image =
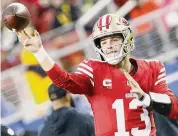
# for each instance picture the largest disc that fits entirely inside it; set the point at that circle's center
(49, 15)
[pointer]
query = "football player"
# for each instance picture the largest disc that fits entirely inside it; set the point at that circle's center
(122, 91)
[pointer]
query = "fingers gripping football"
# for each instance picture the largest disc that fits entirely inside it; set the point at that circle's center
(31, 43)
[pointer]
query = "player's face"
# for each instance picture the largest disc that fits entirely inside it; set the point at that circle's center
(111, 45)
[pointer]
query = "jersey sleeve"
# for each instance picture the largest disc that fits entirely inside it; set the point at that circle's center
(86, 70)
(161, 87)
(77, 83)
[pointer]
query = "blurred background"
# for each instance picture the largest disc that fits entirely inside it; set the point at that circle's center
(65, 27)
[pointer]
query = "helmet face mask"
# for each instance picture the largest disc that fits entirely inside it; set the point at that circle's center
(114, 26)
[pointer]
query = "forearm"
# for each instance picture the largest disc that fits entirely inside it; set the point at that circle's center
(55, 73)
(162, 103)
(74, 83)
(174, 108)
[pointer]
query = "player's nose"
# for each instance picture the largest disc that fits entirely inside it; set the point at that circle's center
(110, 46)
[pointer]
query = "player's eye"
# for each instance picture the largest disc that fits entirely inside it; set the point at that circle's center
(103, 42)
(118, 39)
(115, 39)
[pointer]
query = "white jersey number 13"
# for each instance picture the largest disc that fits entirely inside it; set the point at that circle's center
(118, 105)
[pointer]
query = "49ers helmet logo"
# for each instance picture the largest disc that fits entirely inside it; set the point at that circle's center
(123, 21)
(104, 21)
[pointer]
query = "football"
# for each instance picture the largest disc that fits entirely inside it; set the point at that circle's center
(16, 16)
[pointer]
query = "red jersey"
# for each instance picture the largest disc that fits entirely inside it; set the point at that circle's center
(116, 111)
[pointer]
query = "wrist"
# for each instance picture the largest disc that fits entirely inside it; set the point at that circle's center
(141, 98)
(41, 55)
(145, 99)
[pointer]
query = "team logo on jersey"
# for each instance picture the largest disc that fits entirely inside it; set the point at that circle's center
(130, 95)
(107, 83)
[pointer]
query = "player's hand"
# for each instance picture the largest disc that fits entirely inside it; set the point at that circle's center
(31, 43)
(134, 85)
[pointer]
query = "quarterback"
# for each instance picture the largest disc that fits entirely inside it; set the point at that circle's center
(122, 91)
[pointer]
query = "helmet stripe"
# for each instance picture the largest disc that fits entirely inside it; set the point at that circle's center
(107, 21)
(100, 24)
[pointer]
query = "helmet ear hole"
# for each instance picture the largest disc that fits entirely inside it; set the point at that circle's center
(97, 43)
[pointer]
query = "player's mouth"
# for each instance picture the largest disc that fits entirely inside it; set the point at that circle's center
(111, 52)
